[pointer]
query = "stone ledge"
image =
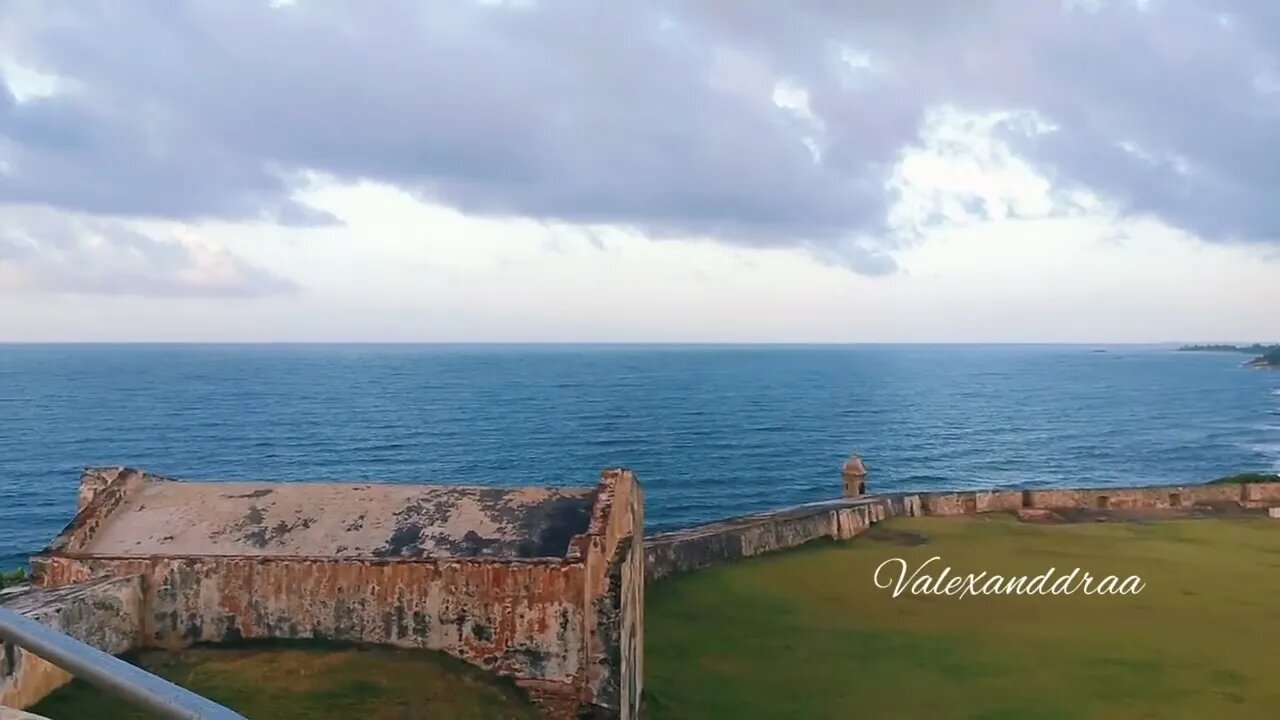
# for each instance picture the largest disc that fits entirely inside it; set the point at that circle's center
(698, 547)
(106, 614)
(11, 714)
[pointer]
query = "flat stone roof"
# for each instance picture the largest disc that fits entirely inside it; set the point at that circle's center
(331, 520)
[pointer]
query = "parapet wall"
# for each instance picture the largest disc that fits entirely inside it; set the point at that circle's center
(1157, 497)
(567, 628)
(104, 613)
(698, 547)
(742, 537)
(522, 620)
(613, 550)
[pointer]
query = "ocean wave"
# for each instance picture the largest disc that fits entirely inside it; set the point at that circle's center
(710, 434)
(1270, 451)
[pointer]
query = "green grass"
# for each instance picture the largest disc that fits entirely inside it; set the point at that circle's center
(806, 634)
(270, 682)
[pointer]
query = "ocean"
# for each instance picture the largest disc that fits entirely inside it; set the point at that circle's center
(711, 431)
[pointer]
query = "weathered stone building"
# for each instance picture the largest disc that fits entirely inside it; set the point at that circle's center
(542, 585)
(545, 586)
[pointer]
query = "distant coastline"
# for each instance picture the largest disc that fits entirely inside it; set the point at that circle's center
(1268, 360)
(1268, 356)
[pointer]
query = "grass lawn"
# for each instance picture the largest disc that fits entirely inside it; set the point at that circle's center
(271, 682)
(806, 634)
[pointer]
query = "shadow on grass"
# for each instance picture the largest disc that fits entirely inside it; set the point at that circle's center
(321, 680)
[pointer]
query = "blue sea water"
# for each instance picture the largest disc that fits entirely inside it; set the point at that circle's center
(712, 431)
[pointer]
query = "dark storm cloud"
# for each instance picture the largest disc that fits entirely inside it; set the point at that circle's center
(1191, 88)
(657, 116)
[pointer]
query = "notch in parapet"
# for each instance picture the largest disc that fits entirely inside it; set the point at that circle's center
(854, 473)
(95, 480)
(617, 494)
(101, 492)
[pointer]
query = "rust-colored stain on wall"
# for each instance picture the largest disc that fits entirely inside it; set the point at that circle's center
(537, 584)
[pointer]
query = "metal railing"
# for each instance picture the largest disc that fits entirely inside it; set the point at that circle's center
(111, 674)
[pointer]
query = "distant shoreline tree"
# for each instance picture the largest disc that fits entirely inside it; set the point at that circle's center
(15, 577)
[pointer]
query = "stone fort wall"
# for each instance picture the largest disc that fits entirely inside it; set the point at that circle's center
(103, 613)
(568, 630)
(694, 548)
(1156, 497)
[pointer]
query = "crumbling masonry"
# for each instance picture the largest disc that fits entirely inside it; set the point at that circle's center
(541, 585)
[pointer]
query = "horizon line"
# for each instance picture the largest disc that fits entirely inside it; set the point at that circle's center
(685, 343)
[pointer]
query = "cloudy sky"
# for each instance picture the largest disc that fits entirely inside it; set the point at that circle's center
(667, 170)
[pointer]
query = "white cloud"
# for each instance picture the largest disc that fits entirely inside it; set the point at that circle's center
(684, 171)
(44, 252)
(28, 84)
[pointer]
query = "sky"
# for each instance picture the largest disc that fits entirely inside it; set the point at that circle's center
(664, 171)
